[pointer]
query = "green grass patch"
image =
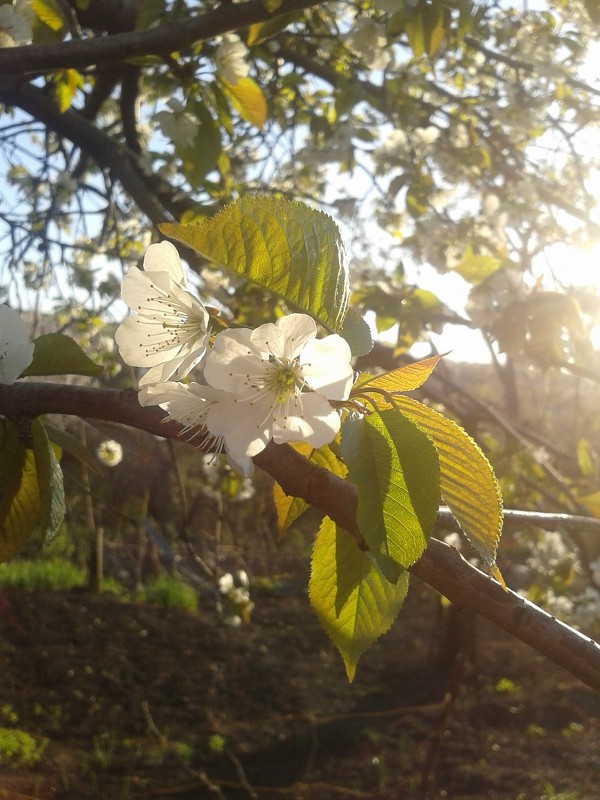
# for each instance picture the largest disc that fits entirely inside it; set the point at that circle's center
(54, 573)
(20, 749)
(169, 592)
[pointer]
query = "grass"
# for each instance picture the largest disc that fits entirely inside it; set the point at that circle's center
(170, 592)
(20, 749)
(54, 573)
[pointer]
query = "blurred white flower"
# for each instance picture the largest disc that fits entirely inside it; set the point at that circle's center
(368, 41)
(177, 124)
(15, 23)
(169, 331)
(428, 135)
(110, 452)
(459, 136)
(16, 349)
(230, 59)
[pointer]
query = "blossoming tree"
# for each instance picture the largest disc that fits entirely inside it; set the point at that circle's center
(470, 126)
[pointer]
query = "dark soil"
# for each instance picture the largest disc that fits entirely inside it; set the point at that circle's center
(141, 702)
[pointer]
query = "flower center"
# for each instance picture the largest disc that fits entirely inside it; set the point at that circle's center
(286, 379)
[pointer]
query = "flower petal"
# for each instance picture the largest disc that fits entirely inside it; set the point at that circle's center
(164, 257)
(287, 337)
(327, 368)
(318, 423)
(245, 426)
(232, 360)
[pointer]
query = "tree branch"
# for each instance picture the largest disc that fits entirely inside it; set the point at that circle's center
(159, 41)
(441, 566)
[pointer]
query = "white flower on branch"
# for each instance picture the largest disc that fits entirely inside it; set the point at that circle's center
(169, 331)
(16, 349)
(279, 381)
(230, 59)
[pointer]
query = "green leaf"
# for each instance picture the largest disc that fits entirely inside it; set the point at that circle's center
(467, 481)
(357, 333)
(20, 506)
(403, 379)
(395, 468)
(350, 596)
(285, 247)
(249, 101)
(50, 482)
(58, 354)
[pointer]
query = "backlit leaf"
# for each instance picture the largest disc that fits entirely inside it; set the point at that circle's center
(350, 596)
(20, 506)
(249, 100)
(284, 246)
(395, 468)
(467, 482)
(476, 268)
(403, 379)
(48, 12)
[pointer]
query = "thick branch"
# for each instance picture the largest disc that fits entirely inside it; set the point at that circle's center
(159, 41)
(440, 566)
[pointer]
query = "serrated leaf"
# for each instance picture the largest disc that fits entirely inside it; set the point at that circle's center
(350, 596)
(284, 246)
(249, 101)
(402, 379)
(50, 482)
(58, 354)
(357, 333)
(289, 508)
(467, 481)
(395, 468)
(20, 505)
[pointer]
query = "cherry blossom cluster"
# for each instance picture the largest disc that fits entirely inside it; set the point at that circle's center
(277, 382)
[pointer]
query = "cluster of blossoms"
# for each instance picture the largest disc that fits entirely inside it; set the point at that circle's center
(277, 382)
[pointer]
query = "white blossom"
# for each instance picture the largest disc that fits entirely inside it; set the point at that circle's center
(16, 349)
(230, 59)
(15, 23)
(177, 124)
(110, 452)
(169, 331)
(279, 379)
(369, 42)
